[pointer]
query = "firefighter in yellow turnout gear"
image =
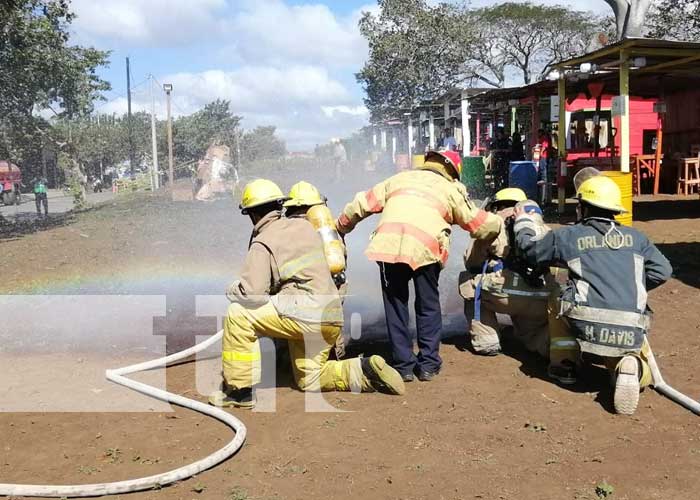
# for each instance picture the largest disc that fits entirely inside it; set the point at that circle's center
(286, 291)
(307, 202)
(495, 283)
(411, 243)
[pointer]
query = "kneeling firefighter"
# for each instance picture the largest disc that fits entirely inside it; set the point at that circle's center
(306, 202)
(603, 309)
(286, 291)
(506, 285)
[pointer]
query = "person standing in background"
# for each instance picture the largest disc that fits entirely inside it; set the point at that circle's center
(41, 197)
(545, 142)
(449, 143)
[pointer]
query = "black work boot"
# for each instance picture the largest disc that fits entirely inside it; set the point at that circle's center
(564, 373)
(426, 375)
(382, 376)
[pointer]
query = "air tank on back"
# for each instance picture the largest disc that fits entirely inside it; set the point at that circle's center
(321, 219)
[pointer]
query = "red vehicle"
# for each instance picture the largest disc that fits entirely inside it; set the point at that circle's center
(10, 182)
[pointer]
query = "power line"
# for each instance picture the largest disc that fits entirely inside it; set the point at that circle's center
(118, 95)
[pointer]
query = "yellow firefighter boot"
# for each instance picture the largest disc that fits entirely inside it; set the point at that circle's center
(381, 376)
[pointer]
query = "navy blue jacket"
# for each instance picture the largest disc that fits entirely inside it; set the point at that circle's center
(611, 268)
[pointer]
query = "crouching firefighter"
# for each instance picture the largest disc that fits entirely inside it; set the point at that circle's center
(286, 292)
(306, 202)
(497, 280)
(602, 309)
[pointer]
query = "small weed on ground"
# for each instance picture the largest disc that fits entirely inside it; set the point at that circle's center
(604, 490)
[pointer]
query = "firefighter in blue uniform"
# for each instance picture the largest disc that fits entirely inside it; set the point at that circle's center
(603, 308)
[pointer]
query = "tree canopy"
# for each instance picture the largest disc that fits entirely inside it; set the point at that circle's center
(213, 124)
(40, 70)
(675, 20)
(418, 51)
(414, 54)
(529, 37)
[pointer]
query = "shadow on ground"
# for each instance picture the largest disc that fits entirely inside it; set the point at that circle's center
(649, 210)
(29, 223)
(684, 259)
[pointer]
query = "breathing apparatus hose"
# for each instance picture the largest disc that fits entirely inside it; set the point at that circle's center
(118, 376)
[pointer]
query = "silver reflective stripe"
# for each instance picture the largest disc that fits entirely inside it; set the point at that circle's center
(639, 280)
(524, 222)
(605, 316)
(606, 351)
(525, 293)
(582, 288)
(575, 266)
(355, 375)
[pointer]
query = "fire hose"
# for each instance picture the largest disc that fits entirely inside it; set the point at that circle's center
(662, 387)
(118, 376)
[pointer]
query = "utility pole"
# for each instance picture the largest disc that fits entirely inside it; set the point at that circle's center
(128, 118)
(155, 181)
(168, 87)
(101, 142)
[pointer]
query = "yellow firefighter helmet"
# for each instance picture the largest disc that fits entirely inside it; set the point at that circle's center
(304, 194)
(260, 192)
(510, 194)
(601, 192)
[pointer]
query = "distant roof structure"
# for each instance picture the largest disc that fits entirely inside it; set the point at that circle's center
(658, 67)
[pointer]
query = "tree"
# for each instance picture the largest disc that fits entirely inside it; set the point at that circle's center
(40, 70)
(214, 124)
(414, 54)
(675, 20)
(418, 51)
(630, 16)
(261, 143)
(529, 37)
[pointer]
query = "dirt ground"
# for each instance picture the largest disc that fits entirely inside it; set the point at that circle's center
(486, 428)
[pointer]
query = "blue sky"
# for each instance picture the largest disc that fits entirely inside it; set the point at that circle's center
(289, 63)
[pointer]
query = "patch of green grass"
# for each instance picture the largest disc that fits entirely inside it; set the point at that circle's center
(88, 470)
(238, 493)
(604, 490)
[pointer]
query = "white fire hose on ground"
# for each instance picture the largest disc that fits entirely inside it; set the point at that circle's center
(662, 387)
(146, 483)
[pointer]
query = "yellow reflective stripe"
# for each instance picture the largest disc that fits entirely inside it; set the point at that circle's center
(339, 382)
(240, 356)
(292, 268)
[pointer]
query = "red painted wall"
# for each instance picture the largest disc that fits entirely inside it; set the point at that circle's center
(642, 117)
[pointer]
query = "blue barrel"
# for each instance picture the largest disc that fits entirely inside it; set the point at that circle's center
(523, 175)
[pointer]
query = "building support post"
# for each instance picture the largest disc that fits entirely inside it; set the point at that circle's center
(478, 134)
(431, 130)
(466, 129)
(625, 116)
(561, 145)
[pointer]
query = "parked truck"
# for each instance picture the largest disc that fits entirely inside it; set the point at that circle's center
(10, 182)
